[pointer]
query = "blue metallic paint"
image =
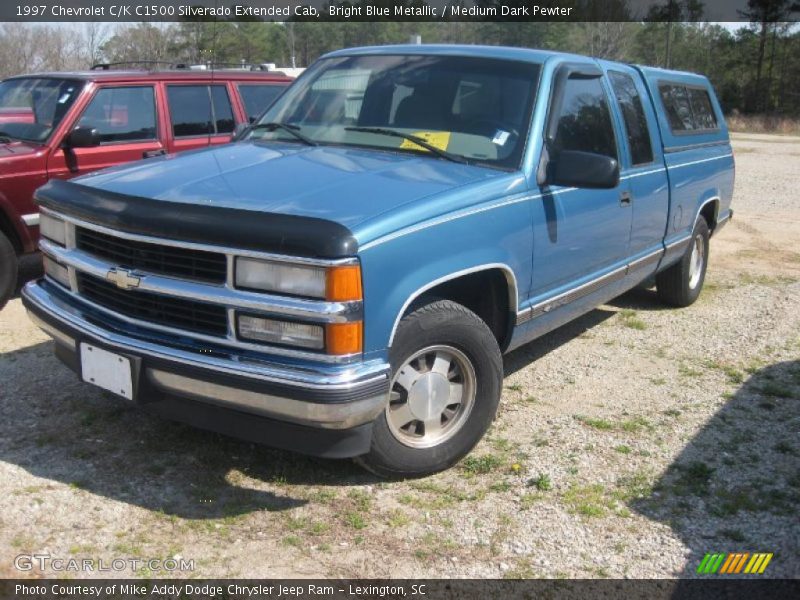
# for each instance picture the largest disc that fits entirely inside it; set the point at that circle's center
(420, 220)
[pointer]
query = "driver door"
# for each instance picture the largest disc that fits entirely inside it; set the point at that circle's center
(126, 119)
(580, 235)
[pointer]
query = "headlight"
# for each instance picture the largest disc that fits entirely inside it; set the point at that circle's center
(298, 280)
(285, 333)
(341, 283)
(53, 229)
(56, 271)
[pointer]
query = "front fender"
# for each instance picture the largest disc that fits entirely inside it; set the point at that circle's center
(407, 263)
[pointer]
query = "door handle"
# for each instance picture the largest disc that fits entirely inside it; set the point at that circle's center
(625, 199)
(153, 153)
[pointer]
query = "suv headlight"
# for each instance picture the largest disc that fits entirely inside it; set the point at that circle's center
(340, 283)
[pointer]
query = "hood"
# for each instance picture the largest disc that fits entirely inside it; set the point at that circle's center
(344, 185)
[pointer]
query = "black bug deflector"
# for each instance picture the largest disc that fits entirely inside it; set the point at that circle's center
(199, 223)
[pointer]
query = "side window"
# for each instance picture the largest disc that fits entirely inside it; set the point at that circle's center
(199, 110)
(704, 117)
(584, 121)
(223, 113)
(630, 104)
(257, 98)
(122, 114)
(676, 103)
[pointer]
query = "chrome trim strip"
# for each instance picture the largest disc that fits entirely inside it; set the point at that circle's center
(642, 173)
(324, 377)
(646, 260)
(697, 162)
(511, 279)
(341, 415)
(700, 209)
(576, 293)
(298, 308)
(31, 220)
(203, 247)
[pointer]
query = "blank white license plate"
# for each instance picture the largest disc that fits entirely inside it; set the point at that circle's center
(107, 370)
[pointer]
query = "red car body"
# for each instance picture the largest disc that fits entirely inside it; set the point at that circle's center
(26, 165)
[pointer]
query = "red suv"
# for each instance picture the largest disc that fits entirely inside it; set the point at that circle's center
(60, 125)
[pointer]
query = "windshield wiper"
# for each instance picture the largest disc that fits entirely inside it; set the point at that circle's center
(287, 127)
(413, 138)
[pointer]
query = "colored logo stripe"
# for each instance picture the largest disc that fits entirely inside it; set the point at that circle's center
(734, 563)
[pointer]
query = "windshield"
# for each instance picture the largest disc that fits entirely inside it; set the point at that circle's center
(477, 109)
(31, 108)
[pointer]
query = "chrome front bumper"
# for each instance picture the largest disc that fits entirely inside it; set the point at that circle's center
(324, 396)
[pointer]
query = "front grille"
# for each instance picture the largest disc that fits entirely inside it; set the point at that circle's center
(179, 313)
(154, 258)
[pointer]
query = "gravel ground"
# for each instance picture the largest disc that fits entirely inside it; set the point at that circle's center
(629, 444)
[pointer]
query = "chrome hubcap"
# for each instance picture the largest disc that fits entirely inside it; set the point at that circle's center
(696, 261)
(431, 397)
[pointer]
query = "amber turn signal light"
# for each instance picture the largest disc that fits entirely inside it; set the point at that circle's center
(344, 338)
(344, 283)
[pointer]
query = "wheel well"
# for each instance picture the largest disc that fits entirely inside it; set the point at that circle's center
(709, 213)
(8, 229)
(486, 293)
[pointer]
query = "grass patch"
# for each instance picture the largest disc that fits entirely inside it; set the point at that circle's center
(595, 423)
(481, 465)
(622, 449)
(630, 320)
(693, 479)
(355, 519)
(541, 482)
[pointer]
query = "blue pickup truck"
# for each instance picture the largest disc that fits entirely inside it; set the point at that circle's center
(345, 278)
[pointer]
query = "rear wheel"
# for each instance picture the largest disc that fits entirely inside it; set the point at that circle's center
(8, 269)
(680, 284)
(446, 380)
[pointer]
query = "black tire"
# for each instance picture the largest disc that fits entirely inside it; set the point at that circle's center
(441, 325)
(8, 269)
(680, 285)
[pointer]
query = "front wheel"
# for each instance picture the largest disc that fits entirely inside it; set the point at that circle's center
(8, 269)
(447, 376)
(681, 283)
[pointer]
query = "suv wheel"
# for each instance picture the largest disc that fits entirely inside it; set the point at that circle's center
(681, 283)
(8, 269)
(447, 374)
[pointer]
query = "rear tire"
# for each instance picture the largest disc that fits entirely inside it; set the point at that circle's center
(447, 375)
(8, 269)
(680, 284)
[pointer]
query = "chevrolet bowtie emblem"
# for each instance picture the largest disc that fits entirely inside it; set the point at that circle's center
(123, 279)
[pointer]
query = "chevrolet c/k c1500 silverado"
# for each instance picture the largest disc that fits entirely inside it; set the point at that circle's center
(345, 278)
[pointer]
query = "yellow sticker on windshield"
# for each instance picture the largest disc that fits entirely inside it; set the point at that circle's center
(437, 139)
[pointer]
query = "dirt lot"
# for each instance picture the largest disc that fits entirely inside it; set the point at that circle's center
(629, 444)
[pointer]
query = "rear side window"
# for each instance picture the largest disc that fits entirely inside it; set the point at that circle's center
(122, 114)
(200, 110)
(630, 104)
(257, 98)
(584, 121)
(688, 109)
(704, 117)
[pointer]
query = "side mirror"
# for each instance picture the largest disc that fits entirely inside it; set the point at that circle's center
(240, 130)
(584, 170)
(82, 137)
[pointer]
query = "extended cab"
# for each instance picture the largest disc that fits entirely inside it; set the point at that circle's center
(345, 279)
(61, 125)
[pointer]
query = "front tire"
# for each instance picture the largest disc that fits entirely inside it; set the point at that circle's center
(447, 374)
(8, 269)
(680, 284)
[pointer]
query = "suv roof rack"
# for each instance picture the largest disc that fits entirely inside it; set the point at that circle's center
(208, 66)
